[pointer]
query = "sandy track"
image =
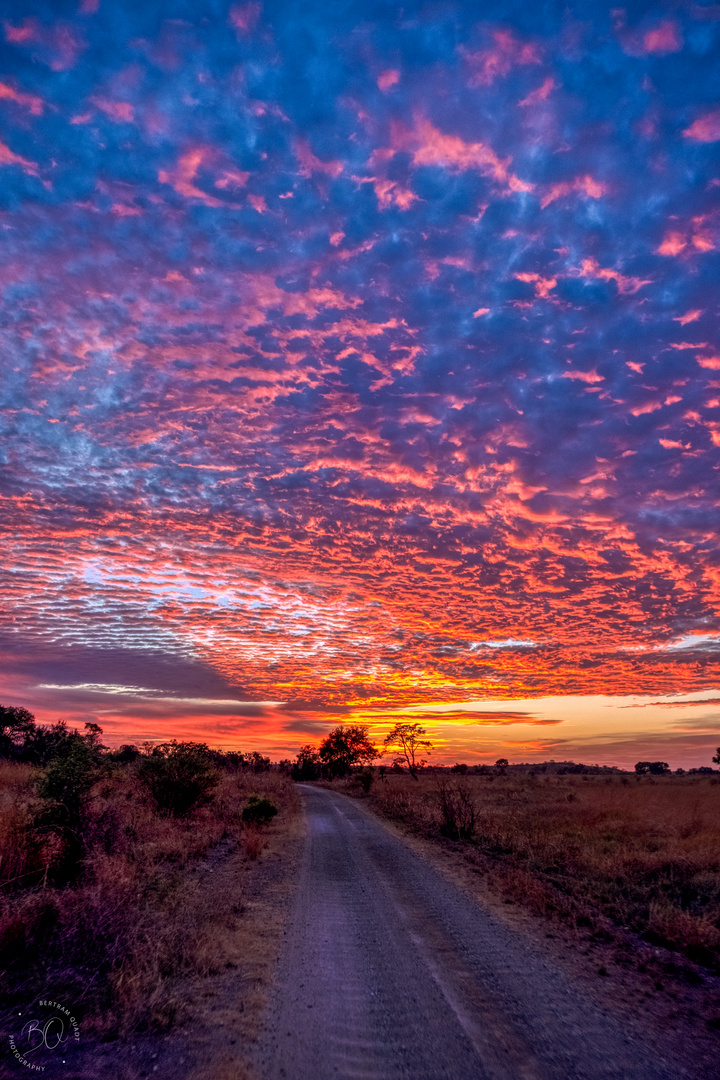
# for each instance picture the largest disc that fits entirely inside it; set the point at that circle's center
(391, 972)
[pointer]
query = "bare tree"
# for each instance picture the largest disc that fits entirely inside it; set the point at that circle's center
(406, 743)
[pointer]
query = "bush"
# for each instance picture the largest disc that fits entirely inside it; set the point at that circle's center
(457, 810)
(258, 811)
(181, 777)
(64, 791)
(365, 779)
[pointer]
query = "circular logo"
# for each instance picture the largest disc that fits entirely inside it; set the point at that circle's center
(44, 1033)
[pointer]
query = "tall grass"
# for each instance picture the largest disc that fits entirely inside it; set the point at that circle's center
(643, 855)
(141, 912)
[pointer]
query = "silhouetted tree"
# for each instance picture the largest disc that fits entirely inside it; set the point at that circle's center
(125, 754)
(656, 768)
(308, 765)
(17, 726)
(407, 742)
(716, 756)
(344, 747)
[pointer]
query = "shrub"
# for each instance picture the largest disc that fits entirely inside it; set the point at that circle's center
(258, 811)
(457, 810)
(181, 777)
(64, 790)
(365, 780)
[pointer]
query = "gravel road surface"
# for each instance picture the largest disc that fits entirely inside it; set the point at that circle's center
(391, 972)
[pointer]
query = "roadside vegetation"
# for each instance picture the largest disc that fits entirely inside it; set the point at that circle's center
(105, 892)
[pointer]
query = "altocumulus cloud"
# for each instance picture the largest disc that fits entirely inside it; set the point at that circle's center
(338, 337)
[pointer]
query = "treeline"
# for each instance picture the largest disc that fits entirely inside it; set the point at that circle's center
(24, 740)
(178, 777)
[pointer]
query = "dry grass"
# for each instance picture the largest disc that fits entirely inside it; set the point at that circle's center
(145, 909)
(601, 852)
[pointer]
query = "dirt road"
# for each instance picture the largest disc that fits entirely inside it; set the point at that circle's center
(391, 972)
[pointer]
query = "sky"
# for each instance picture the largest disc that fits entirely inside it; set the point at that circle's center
(360, 363)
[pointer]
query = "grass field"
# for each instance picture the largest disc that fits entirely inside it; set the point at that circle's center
(604, 852)
(140, 912)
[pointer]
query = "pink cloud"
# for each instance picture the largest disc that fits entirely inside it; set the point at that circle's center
(583, 185)
(8, 158)
(310, 164)
(663, 39)
(543, 286)
(506, 53)
(121, 112)
(541, 94)
(29, 101)
(232, 178)
(388, 79)
(16, 35)
(673, 243)
(57, 45)
(706, 128)
(244, 17)
(591, 269)
(121, 210)
(584, 376)
(390, 194)
(181, 177)
(430, 146)
(659, 40)
(688, 317)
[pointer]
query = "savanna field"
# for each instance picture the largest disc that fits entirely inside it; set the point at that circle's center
(614, 851)
(105, 892)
